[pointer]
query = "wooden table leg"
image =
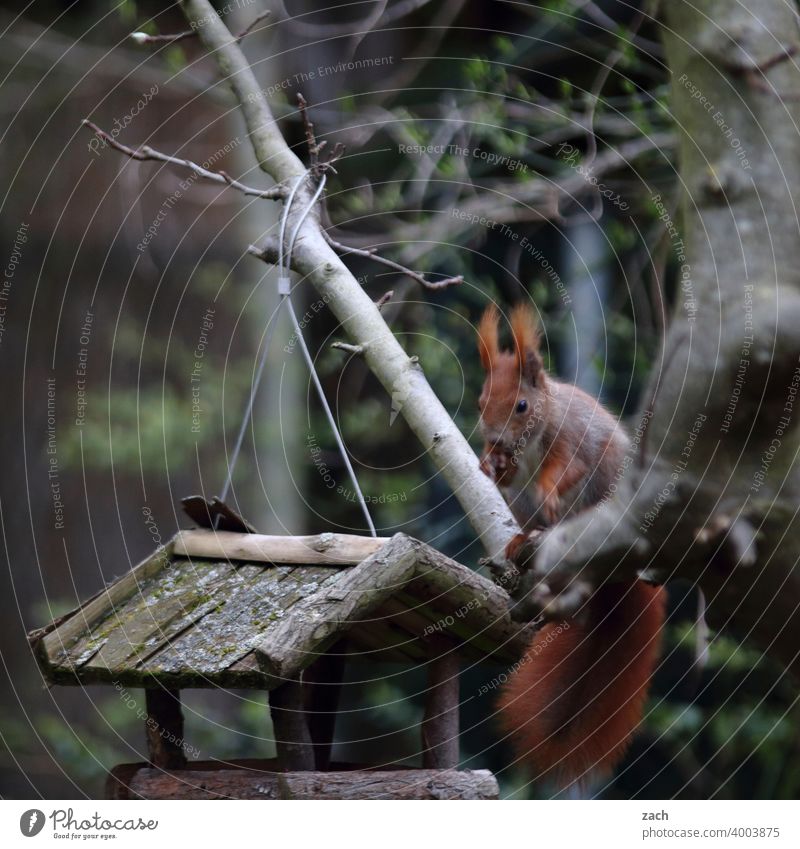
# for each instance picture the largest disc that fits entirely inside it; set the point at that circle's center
(164, 728)
(440, 725)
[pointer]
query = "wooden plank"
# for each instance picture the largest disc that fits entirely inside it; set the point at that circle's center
(318, 550)
(247, 613)
(380, 641)
(479, 609)
(164, 608)
(214, 640)
(440, 725)
(200, 620)
(429, 784)
(246, 665)
(58, 642)
(300, 582)
(403, 612)
(314, 623)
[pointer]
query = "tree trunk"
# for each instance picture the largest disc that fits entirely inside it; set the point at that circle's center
(711, 490)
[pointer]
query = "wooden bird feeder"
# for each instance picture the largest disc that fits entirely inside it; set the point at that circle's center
(227, 609)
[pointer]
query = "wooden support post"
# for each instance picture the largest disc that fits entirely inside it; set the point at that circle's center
(440, 725)
(323, 680)
(292, 738)
(164, 728)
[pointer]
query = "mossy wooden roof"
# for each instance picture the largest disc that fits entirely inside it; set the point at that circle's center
(222, 609)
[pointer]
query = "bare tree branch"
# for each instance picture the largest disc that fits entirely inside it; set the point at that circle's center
(509, 202)
(262, 16)
(414, 275)
(145, 153)
(140, 37)
(318, 166)
(355, 350)
(171, 38)
(384, 299)
(313, 257)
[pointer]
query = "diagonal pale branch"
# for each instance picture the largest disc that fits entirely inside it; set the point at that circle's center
(401, 376)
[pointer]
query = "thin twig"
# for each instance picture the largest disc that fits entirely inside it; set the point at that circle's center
(384, 299)
(145, 153)
(355, 350)
(161, 38)
(755, 72)
(269, 252)
(317, 167)
(308, 126)
(171, 38)
(252, 25)
(414, 275)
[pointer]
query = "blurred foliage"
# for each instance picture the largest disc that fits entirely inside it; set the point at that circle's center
(731, 732)
(140, 419)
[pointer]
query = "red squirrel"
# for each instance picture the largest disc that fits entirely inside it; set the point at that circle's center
(577, 695)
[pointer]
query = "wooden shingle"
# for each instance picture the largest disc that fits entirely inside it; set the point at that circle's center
(222, 609)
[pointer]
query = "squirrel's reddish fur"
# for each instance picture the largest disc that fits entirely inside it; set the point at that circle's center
(576, 696)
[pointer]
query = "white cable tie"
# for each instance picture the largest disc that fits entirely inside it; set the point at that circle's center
(284, 285)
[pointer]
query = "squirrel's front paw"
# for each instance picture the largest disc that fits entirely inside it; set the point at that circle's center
(521, 549)
(500, 466)
(549, 505)
(507, 471)
(488, 467)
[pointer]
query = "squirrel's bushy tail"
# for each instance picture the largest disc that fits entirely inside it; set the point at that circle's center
(578, 693)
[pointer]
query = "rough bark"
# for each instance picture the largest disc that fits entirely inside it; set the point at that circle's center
(317, 550)
(430, 784)
(316, 622)
(712, 492)
(402, 377)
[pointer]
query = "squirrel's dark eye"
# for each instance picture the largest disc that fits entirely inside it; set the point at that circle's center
(522, 405)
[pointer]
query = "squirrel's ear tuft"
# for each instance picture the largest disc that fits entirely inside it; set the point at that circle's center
(525, 333)
(488, 346)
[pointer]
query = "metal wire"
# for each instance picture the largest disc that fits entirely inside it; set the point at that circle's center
(315, 378)
(248, 412)
(284, 266)
(250, 402)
